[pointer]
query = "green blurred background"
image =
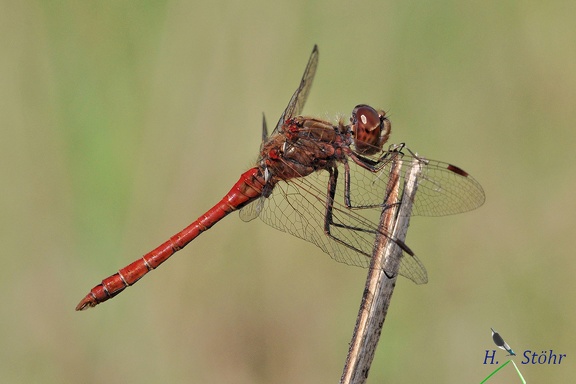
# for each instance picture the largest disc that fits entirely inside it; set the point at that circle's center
(123, 121)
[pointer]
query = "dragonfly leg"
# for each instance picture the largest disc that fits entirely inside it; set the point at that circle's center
(329, 220)
(329, 214)
(371, 165)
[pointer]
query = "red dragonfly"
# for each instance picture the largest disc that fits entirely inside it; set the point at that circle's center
(296, 187)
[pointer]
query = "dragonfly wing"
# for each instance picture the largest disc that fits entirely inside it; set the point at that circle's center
(298, 207)
(251, 211)
(299, 97)
(443, 189)
(412, 268)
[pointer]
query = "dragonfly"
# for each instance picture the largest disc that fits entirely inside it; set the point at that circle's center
(500, 343)
(323, 182)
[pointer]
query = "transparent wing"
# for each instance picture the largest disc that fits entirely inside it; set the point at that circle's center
(298, 207)
(299, 97)
(252, 210)
(443, 189)
(294, 108)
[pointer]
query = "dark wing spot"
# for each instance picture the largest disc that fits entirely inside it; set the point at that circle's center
(457, 170)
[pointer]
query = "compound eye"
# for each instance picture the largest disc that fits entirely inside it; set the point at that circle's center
(365, 118)
(367, 129)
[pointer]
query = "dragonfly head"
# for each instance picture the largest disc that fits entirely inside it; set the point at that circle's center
(371, 129)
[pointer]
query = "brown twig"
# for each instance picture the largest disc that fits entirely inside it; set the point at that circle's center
(394, 219)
